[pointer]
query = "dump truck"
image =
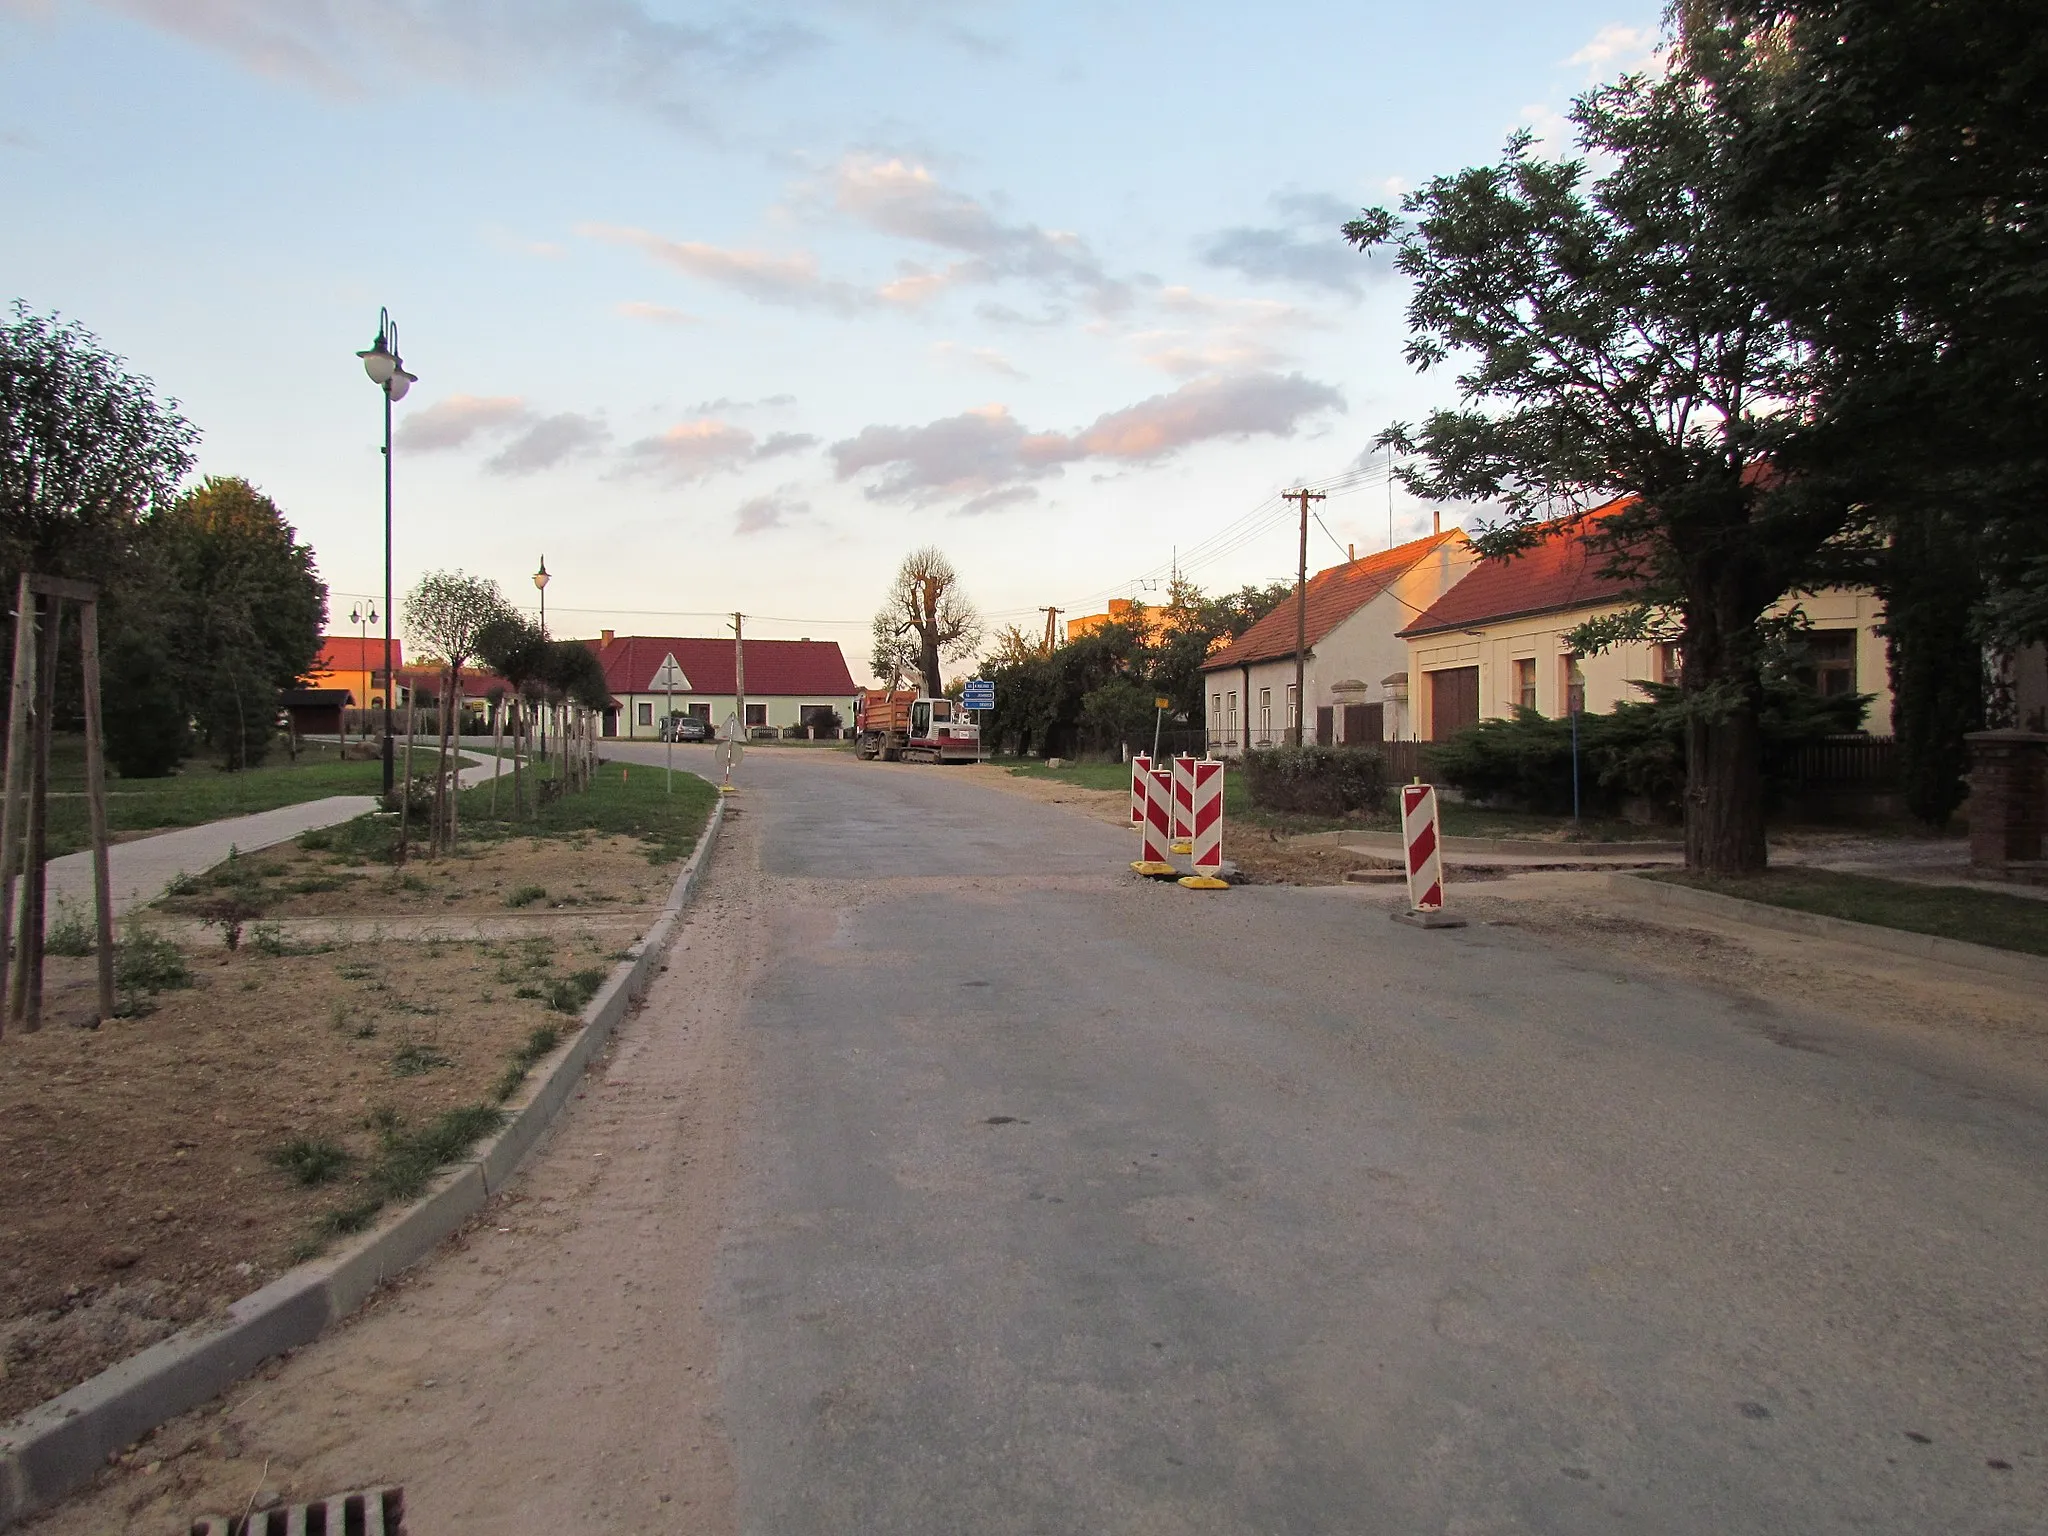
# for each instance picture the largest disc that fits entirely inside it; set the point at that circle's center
(902, 725)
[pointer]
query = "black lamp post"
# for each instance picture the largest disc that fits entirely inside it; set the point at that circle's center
(362, 622)
(387, 371)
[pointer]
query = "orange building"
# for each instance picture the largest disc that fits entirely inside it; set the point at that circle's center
(357, 664)
(1151, 621)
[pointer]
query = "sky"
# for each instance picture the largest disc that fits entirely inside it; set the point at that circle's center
(728, 308)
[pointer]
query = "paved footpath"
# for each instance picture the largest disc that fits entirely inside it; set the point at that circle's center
(952, 1182)
(142, 868)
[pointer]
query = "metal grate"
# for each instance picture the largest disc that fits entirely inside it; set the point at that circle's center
(367, 1512)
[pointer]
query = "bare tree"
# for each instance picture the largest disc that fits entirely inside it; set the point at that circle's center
(926, 620)
(445, 613)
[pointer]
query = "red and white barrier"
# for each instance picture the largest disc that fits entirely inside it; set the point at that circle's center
(1183, 803)
(1425, 856)
(1205, 825)
(1155, 834)
(1141, 776)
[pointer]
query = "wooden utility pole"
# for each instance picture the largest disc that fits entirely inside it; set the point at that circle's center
(739, 671)
(1052, 628)
(1304, 497)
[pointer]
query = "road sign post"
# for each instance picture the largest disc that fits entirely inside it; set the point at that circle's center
(666, 680)
(977, 696)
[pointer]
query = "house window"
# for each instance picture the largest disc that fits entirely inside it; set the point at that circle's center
(1216, 713)
(1832, 654)
(1669, 662)
(1525, 682)
(1293, 708)
(1265, 717)
(1574, 688)
(757, 714)
(645, 714)
(1230, 715)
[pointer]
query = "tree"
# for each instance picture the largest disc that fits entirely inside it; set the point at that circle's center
(925, 622)
(445, 613)
(517, 651)
(242, 610)
(1615, 340)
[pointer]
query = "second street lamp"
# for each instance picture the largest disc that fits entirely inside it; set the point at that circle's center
(540, 581)
(387, 371)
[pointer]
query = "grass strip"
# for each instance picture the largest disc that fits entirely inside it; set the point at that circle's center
(1992, 918)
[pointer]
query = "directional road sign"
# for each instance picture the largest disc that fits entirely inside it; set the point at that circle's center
(980, 693)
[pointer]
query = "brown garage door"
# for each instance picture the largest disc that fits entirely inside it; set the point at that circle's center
(1453, 701)
(1364, 724)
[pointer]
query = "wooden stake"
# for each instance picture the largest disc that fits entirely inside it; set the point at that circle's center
(96, 802)
(21, 698)
(26, 1000)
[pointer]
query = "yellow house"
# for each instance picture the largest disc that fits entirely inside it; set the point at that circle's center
(1496, 641)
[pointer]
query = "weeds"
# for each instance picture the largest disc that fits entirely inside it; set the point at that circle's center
(228, 914)
(312, 1161)
(415, 1059)
(527, 895)
(319, 840)
(570, 993)
(72, 931)
(412, 1157)
(182, 884)
(267, 939)
(544, 1038)
(146, 963)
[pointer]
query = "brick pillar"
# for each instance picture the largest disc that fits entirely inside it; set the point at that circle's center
(2008, 800)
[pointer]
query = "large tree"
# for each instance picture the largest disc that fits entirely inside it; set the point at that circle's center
(925, 622)
(1614, 340)
(241, 607)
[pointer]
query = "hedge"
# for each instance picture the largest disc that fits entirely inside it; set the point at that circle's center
(1316, 780)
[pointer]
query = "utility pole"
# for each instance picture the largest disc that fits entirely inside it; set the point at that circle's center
(1052, 628)
(739, 671)
(1304, 497)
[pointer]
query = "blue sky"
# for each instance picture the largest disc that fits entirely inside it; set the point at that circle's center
(729, 308)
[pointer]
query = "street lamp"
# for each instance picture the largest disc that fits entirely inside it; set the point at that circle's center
(362, 622)
(540, 580)
(387, 371)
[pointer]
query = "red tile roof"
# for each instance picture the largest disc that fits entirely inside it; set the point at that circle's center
(814, 669)
(353, 653)
(1560, 573)
(1333, 596)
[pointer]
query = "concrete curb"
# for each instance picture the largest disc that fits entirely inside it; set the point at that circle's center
(59, 1446)
(1897, 941)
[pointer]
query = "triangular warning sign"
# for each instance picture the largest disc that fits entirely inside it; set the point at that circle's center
(669, 677)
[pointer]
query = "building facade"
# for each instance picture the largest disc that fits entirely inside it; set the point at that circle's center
(1356, 668)
(789, 682)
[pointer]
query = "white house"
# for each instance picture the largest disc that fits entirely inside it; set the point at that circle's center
(789, 682)
(1356, 671)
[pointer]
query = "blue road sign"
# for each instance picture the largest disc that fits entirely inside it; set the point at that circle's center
(980, 693)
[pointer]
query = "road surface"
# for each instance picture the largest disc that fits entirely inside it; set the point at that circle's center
(953, 1181)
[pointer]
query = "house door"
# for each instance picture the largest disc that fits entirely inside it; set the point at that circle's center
(611, 721)
(1364, 724)
(1453, 701)
(1326, 726)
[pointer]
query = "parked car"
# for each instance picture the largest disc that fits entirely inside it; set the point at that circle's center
(693, 728)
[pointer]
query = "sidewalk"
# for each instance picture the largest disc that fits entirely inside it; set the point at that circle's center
(141, 869)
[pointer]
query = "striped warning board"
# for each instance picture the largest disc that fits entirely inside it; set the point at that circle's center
(1205, 814)
(1155, 833)
(1425, 857)
(1183, 803)
(1141, 776)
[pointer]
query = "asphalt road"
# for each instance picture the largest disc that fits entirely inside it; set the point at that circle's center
(1078, 1204)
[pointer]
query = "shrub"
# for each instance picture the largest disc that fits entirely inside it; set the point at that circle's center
(72, 931)
(526, 896)
(569, 994)
(145, 962)
(311, 1160)
(1315, 780)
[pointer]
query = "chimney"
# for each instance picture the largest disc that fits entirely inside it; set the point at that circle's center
(604, 637)
(1436, 518)
(1351, 553)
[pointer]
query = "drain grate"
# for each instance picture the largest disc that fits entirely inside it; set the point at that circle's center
(369, 1512)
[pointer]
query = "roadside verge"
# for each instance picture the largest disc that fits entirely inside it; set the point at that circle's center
(1897, 941)
(60, 1445)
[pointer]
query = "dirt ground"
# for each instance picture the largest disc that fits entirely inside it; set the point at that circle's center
(499, 1410)
(527, 874)
(135, 1159)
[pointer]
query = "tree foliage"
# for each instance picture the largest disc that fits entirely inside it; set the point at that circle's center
(1614, 338)
(926, 621)
(447, 610)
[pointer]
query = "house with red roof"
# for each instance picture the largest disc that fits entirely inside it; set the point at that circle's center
(1356, 666)
(356, 663)
(1495, 641)
(788, 682)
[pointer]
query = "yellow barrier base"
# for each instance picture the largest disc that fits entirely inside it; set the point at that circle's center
(1204, 883)
(1181, 847)
(1156, 871)
(728, 789)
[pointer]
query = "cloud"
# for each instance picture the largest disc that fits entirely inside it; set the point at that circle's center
(725, 403)
(904, 199)
(986, 458)
(657, 314)
(617, 50)
(547, 442)
(1219, 334)
(1617, 50)
(979, 357)
(694, 450)
(1315, 256)
(453, 422)
(760, 514)
(771, 279)
(1552, 129)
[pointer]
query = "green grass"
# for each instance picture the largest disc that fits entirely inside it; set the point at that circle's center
(635, 805)
(199, 792)
(1949, 912)
(312, 1161)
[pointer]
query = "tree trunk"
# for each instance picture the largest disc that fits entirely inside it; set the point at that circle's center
(928, 664)
(497, 751)
(1724, 778)
(454, 754)
(438, 817)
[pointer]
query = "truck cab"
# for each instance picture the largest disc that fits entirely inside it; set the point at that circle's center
(916, 730)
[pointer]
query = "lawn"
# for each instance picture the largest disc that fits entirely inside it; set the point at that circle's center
(1949, 912)
(1459, 820)
(198, 792)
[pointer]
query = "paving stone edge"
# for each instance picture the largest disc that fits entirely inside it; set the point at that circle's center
(1897, 941)
(61, 1445)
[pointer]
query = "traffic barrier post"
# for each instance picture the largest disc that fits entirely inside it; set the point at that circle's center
(1205, 815)
(1183, 804)
(1156, 832)
(1423, 844)
(1141, 775)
